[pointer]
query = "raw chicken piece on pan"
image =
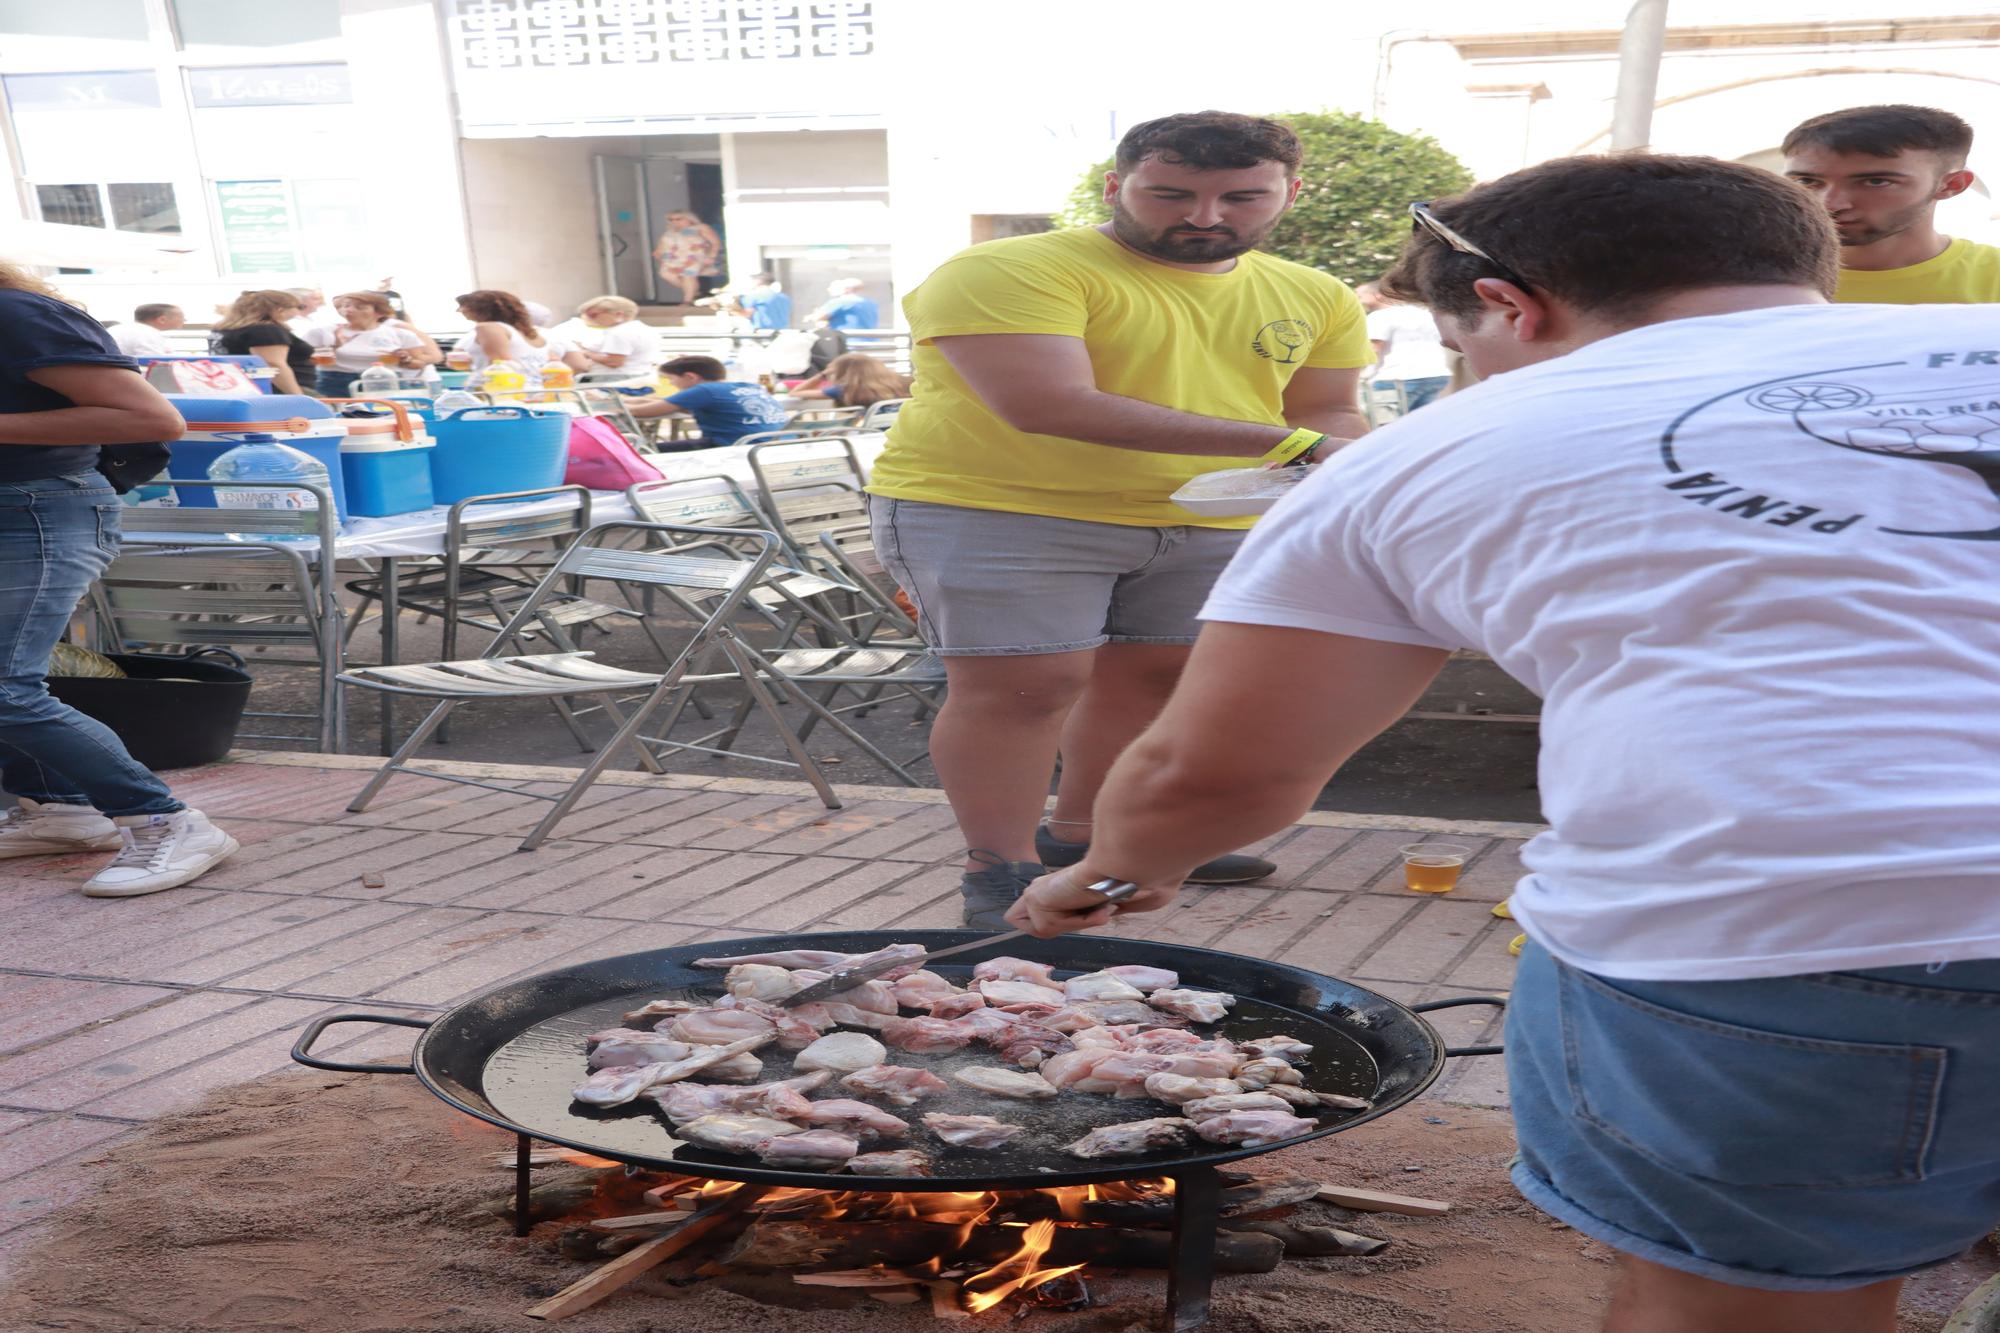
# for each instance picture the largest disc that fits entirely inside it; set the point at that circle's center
(619, 1084)
(761, 981)
(957, 1006)
(1015, 969)
(898, 1085)
(1253, 1129)
(1017, 992)
(814, 1150)
(1100, 986)
(902, 1162)
(921, 988)
(1027, 1044)
(1005, 1082)
(970, 1131)
(824, 959)
(658, 1009)
(1308, 1100)
(783, 1100)
(727, 1132)
(1113, 1012)
(1258, 1074)
(1176, 1041)
(797, 1028)
(1289, 1049)
(718, 1027)
(623, 1046)
(1202, 1006)
(1132, 1138)
(925, 1036)
(1229, 1103)
(843, 1052)
(1179, 1089)
(1143, 977)
(852, 1117)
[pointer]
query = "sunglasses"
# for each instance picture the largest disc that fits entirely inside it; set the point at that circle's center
(1422, 219)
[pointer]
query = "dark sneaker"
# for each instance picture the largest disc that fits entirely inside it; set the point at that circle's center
(988, 893)
(1234, 868)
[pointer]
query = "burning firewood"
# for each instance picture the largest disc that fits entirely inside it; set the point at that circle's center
(838, 1243)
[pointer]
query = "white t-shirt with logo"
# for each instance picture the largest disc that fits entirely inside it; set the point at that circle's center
(1751, 563)
(354, 350)
(1415, 351)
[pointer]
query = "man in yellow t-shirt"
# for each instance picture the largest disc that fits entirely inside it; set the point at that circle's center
(1881, 171)
(1066, 385)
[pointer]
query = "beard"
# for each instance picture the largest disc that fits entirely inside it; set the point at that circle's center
(1857, 233)
(1182, 244)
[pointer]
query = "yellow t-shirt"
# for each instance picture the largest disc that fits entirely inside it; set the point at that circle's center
(1217, 344)
(1964, 274)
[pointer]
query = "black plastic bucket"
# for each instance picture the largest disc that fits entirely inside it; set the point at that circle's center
(171, 712)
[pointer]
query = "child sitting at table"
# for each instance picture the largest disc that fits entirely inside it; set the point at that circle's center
(724, 410)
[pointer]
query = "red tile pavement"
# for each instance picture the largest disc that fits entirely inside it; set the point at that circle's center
(113, 1012)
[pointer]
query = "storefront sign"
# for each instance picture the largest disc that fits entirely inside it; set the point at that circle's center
(259, 234)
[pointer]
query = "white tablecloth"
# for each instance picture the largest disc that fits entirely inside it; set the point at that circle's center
(422, 533)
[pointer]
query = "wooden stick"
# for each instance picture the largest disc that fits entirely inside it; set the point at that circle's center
(1375, 1201)
(660, 1195)
(594, 1287)
(637, 1221)
(944, 1301)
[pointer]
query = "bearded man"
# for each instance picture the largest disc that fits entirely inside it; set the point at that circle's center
(1066, 385)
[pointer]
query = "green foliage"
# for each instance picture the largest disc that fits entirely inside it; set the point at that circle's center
(1352, 214)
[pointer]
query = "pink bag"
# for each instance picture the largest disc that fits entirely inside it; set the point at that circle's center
(201, 379)
(602, 459)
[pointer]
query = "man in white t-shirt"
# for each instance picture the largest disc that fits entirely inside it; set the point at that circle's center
(1744, 544)
(146, 334)
(1409, 354)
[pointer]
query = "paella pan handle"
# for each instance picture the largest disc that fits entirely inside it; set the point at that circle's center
(1497, 1001)
(302, 1048)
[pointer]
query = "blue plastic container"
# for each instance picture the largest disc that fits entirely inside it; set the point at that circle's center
(217, 425)
(387, 477)
(493, 450)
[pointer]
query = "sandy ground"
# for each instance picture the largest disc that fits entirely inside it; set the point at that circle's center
(353, 1203)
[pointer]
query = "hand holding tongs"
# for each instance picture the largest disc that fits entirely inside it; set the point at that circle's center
(847, 978)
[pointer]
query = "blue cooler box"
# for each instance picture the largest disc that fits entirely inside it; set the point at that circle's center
(217, 425)
(495, 450)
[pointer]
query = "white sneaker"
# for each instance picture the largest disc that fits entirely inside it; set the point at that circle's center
(34, 829)
(160, 852)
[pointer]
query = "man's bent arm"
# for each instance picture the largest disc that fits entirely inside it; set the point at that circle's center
(1043, 383)
(1262, 718)
(1328, 401)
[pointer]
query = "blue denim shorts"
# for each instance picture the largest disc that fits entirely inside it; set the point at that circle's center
(1805, 1133)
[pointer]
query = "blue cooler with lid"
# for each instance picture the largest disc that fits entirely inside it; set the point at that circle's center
(217, 425)
(494, 450)
(385, 459)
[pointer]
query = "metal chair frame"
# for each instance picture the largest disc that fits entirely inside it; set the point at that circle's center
(880, 412)
(240, 593)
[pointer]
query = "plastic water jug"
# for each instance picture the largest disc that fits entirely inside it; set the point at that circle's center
(556, 375)
(377, 380)
(452, 400)
(260, 458)
(504, 377)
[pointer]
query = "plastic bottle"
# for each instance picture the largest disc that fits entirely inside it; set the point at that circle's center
(375, 381)
(504, 377)
(260, 458)
(557, 375)
(451, 400)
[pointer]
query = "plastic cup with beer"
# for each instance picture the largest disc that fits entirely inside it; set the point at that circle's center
(322, 356)
(457, 360)
(1432, 867)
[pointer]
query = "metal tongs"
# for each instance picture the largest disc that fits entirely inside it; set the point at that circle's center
(847, 978)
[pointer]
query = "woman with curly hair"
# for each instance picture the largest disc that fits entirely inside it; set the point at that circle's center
(502, 331)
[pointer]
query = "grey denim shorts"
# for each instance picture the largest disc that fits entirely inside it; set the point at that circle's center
(993, 583)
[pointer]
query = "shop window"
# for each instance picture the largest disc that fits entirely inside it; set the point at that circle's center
(255, 22)
(103, 20)
(148, 207)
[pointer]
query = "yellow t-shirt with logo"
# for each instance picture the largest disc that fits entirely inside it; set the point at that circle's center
(1964, 274)
(1217, 344)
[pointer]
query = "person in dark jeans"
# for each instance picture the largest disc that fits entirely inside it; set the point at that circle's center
(65, 389)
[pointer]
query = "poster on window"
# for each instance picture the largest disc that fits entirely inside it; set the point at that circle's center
(259, 231)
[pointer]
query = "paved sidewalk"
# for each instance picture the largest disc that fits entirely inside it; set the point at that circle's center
(113, 1012)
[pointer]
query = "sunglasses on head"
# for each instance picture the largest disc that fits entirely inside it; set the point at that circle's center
(1422, 219)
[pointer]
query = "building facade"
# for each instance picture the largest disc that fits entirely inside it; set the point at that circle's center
(536, 145)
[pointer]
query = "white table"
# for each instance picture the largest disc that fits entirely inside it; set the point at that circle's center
(421, 534)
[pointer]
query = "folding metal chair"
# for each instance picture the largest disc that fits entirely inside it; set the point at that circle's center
(814, 490)
(823, 418)
(724, 575)
(880, 414)
(268, 586)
